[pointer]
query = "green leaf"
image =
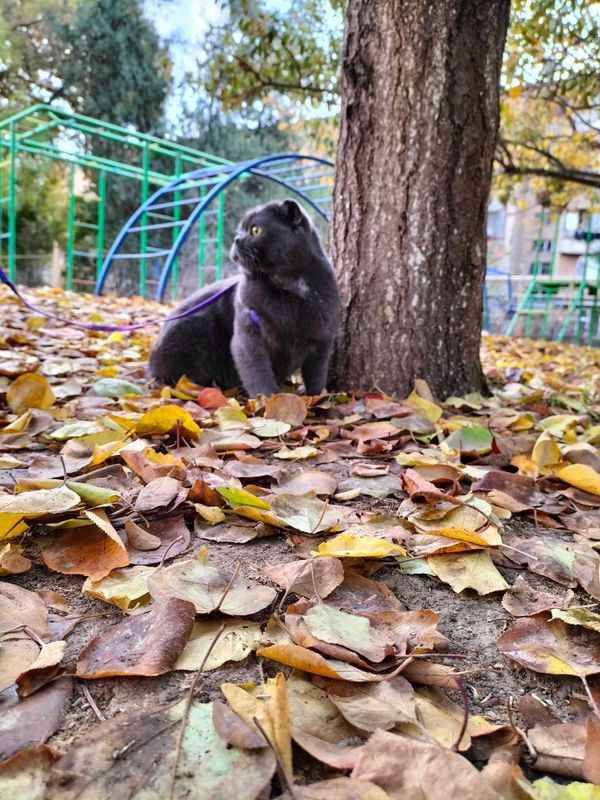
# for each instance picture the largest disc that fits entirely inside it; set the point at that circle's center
(240, 497)
(473, 439)
(115, 387)
(73, 430)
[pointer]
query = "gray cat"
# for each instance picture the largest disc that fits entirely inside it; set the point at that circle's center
(281, 316)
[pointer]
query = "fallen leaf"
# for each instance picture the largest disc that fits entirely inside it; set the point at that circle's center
(115, 387)
(524, 600)
(204, 586)
(40, 503)
(12, 560)
(287, 408)
(34, 719)
(468, 571)
(346, 545)
(304, 513)
(19, 607)
(348, 630)
(582, 477)
(238, 640)
(85, 551)
(551, 647)
(174, 539)
(159, 493)
(167, 419)
(29, 390)
(270, 706)
(125, 588)
(434, 774)
(139, 538)
(89, 766)
(43, 669)
(471, 440)
(145, 644)
(321, 483)
(374, 706)
(314, 577)
(25, 775)
(14, 363)
(297, 453)
(578, 616)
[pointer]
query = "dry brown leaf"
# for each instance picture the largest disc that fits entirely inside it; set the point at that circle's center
(288, 408)
(158, 494)
(434, 773)
(315, 577)
(33, 719)
(85, 551)
(145, 644)
(205, 586)
(551, 646)
(523, 600)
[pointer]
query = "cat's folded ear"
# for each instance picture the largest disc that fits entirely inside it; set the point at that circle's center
(293, 212)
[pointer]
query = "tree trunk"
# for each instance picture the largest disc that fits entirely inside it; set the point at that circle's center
(420, 88)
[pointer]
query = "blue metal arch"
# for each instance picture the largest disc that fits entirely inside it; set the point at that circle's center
(230, 173)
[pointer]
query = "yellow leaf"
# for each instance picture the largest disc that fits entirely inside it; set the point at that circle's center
(581, 476)
(11, 525)
(514, 92)
(165, 419)
(125, 588)
(107, 372)
(468, 571)
(346, 545)
(100, 519)
(30, 505)
(429, 410)
(489, 537)
(29, 391)
(545, 452)
(19, 424)
(269, 704)
(210, 514)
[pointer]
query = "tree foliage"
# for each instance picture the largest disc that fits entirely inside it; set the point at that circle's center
(551, 78)
(120, 72)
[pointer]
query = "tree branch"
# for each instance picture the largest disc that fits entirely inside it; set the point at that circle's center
(270, 83)
(570, 175)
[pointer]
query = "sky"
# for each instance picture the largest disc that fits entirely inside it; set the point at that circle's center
(183, 24)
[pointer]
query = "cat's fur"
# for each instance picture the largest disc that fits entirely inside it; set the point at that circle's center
(287, 281)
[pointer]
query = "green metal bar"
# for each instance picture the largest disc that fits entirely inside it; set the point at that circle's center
(136, 139)
(12, 205)
(100, 220)
(220, 221)
(201, 245)
(176, 218)
(522, 303)
(545, 321)
(93, 162)
(574, 304)
(595, 308)
(588, 237)
(1, 212)
(144, 221)
(40, 129)
(71, 227)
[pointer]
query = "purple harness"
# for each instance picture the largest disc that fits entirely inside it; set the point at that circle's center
(112, 328)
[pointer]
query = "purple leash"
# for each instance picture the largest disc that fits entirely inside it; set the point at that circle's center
(111, 328)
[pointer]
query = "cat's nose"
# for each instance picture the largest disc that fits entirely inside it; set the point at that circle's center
(237, 239)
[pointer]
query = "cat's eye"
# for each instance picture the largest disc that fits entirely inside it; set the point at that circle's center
(255, 230)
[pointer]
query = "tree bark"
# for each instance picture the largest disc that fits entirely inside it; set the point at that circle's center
(420, 104)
